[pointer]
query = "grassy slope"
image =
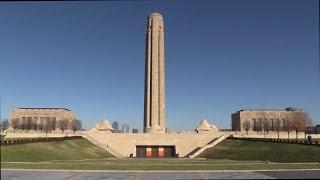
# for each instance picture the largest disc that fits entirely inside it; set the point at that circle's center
(250, 150)
(69, 154)
(45, 151)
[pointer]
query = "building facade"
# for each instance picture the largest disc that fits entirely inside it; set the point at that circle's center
(40, 116)
(257, 117)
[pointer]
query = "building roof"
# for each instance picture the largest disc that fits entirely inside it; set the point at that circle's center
(155, 14)
(286, 109)
(104, 125)
(205, 126)
(43, 108)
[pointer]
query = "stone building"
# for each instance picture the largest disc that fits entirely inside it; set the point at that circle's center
(40, 116)
(257, 116)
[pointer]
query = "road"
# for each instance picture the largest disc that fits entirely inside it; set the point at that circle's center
(146, 175)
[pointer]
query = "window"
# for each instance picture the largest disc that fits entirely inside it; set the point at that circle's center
(53, 121)
(40, 124)
(35, 122)
(48, 120)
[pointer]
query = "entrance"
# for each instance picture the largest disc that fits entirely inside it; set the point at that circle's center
(155, 151)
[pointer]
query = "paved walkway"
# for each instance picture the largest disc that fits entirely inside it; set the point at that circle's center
(146, 175)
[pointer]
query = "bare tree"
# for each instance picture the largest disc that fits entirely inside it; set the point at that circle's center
(287, 126)
(63, 124)
(47, 127)
(246, 125)
(53, 124)
(75, 125)
(40, 124)
(14, 124)
(277, 127)
(300, 121)
(4, 124)
(23, 124)
(29, 123)
(266, 127)
(257, 126)
(34, 123)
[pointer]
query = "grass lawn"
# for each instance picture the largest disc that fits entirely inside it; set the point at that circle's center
(157, 164)
(255, 150)
(81, 154)
(58, 150)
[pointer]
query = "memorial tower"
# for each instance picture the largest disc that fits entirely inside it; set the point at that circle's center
(154, 94)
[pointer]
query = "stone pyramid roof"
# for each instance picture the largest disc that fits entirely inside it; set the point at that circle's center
(205, 126)
(104, 125)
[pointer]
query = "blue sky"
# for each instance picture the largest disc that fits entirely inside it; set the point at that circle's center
(221, 56)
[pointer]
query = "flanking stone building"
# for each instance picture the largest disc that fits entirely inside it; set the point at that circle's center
(257, 116)
(40, 116)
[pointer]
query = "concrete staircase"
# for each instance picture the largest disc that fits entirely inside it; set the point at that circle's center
(199, 150)
(105, 147)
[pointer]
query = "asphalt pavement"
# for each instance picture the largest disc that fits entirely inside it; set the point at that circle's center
(25, 174)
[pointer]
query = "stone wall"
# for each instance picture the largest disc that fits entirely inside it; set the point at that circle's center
(283, 135)
(58, 113)
(39, 134)
(40, 116)
(125, 143)
(260, 115)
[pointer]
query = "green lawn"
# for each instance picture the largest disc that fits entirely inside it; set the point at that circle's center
(255, 150)
(82, 154)
(58, 150)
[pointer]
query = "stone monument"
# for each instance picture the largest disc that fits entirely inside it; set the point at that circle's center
(155, 142)
(205, 127)
(103, 126)
(154, 95)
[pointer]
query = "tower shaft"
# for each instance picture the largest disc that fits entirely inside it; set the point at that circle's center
(154, 96)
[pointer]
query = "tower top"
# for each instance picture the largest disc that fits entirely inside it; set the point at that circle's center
(155, 14)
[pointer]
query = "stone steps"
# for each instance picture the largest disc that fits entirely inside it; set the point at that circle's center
(212, 143)
(105, 147)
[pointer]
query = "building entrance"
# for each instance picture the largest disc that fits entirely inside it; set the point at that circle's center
(155, 151)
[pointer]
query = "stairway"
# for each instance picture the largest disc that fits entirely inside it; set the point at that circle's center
(105, 147)
(199, 150)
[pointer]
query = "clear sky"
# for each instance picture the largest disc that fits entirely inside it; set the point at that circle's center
(221, 56)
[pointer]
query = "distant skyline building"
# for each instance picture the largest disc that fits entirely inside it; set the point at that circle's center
(115, 126)
(135, 130)
(154, 94)
(125, 128)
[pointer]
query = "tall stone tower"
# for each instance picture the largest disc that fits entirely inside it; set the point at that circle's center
(154, 94)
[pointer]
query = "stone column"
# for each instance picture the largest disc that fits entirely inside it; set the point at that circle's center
(154, 102)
